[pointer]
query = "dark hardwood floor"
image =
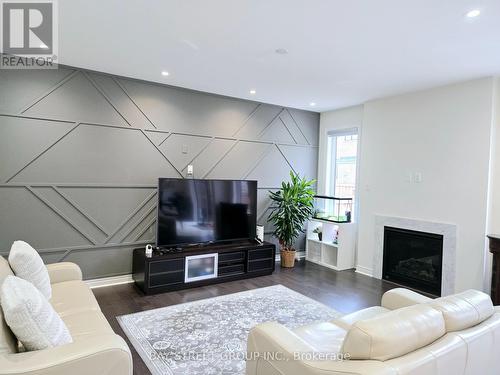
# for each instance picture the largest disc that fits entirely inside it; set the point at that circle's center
(344, 291)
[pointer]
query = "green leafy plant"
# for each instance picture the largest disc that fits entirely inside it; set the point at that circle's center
(292, 206)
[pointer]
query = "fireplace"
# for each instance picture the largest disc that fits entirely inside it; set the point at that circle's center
(413, 259)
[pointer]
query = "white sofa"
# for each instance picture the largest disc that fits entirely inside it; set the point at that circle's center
(409, 334)
(95, 350)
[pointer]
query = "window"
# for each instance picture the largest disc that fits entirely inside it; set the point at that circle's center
(341, 164)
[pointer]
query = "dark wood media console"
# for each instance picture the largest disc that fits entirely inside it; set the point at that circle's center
(164, 272)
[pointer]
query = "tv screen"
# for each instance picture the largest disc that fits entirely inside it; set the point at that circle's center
(194, 211)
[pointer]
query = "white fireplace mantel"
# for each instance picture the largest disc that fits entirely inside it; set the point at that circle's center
(448, 231)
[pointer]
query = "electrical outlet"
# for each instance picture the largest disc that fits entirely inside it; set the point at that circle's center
(190, 170)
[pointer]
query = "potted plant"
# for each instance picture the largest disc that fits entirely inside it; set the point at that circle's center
(292, 206)
(319, 232)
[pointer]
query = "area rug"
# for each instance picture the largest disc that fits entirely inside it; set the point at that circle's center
(209, 336)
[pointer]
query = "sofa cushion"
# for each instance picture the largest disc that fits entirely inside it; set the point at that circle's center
(30, 316)
(72, 297)
(8, 342)
(445, 356)
(86, 324)
(63, 271)
(394, 333)
(323, 337)
(28, 265)
(464, 310)
(348, 320)
(401, 297)
(481, 342)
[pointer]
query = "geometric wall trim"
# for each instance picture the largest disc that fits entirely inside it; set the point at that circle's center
(156, 137)
(117, 97)
(185, 111)
(77, 98)
(301, 159)
(23, 88)
(277, 131)
(23, 140)
(240, 160)
(211, 156)
(94, 202)
(306, 123)
(182, 149)
(271, 177)
(260, 119)
(89, 153)
(82, 151)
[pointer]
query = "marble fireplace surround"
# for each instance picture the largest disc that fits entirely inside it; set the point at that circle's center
(449, 232)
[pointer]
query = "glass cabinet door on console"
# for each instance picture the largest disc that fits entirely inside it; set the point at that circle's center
(201, 267)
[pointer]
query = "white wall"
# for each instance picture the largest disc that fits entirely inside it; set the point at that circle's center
(493, 225)
(444, 134)
(346, 118)
(494, 214)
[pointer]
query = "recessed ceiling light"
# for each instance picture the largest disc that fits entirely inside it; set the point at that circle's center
(312, 104)
(165, 73)
(253, 92)
(281, 51)
(473, 13)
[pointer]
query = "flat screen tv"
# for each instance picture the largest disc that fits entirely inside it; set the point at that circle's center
(192, 211)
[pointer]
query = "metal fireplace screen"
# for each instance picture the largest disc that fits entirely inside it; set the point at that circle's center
(413, 259)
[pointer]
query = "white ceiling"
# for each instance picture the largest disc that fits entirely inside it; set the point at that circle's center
(340, 52)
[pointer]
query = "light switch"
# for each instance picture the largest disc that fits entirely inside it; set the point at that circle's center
(417, 177)
(184, 149)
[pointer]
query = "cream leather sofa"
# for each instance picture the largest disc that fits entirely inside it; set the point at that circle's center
(409, 334)
(96, 349)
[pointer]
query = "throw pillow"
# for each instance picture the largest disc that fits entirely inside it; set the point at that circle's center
(28, 265)
(30, 316)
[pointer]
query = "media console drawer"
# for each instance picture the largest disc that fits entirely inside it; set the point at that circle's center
(166, 278)
(231, 257)
(166, 265)
(261, 254)
(260, 265)
(232, 269)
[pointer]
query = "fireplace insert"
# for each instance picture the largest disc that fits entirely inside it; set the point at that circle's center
(413, 259)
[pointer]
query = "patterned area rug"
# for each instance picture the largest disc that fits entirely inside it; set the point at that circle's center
(209, 336)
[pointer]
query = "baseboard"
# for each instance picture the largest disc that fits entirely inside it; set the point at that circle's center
(364, 270)
(109, 281)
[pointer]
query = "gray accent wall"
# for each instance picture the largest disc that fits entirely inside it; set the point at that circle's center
(81, 152)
